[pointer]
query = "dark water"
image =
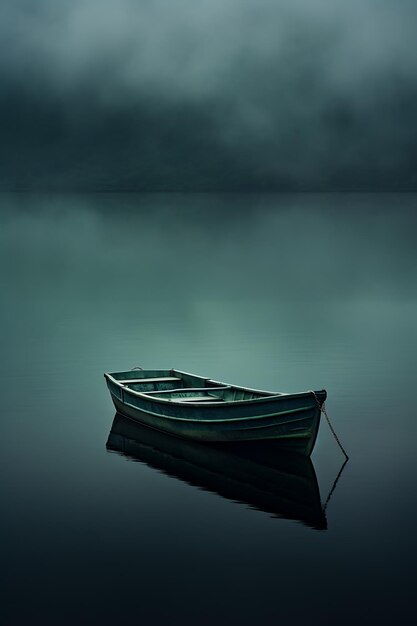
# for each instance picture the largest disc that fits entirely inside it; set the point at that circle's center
(275, 292)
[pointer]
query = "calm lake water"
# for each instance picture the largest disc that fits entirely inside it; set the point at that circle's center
(276, 292)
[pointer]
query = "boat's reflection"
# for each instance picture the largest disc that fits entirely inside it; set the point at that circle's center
(257, 474)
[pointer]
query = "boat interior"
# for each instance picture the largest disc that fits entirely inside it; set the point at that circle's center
(182, 387)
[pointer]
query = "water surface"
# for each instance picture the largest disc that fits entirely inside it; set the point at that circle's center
(276, 292)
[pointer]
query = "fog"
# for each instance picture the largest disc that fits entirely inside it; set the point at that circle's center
(141, 248)
(207, 95)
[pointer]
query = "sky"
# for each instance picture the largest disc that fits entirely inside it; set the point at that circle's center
(208, 95)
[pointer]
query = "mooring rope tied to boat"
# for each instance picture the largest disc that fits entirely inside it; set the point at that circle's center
(336, 480)
(322, 408)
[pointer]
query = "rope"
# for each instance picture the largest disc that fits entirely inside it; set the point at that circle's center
(334, 485)
(322, 408)
(137, 368)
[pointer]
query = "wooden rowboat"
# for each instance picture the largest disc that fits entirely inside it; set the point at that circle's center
(194, 407)
(281, 484)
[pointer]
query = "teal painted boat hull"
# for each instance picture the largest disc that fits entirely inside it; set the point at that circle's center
(258, 475)
(198, 408)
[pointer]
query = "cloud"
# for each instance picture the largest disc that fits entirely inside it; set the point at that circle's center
(306, 93)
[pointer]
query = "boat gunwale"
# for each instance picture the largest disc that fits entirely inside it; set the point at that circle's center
(268, 397)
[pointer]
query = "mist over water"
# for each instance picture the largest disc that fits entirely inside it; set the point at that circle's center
(277, 292)
(209, 95)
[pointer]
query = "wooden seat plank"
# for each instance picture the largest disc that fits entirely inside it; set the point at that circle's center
(184, 389)
(198, 399)
(165, 379)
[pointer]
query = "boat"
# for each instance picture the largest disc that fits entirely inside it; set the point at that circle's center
(283, 485)
(202, 409)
